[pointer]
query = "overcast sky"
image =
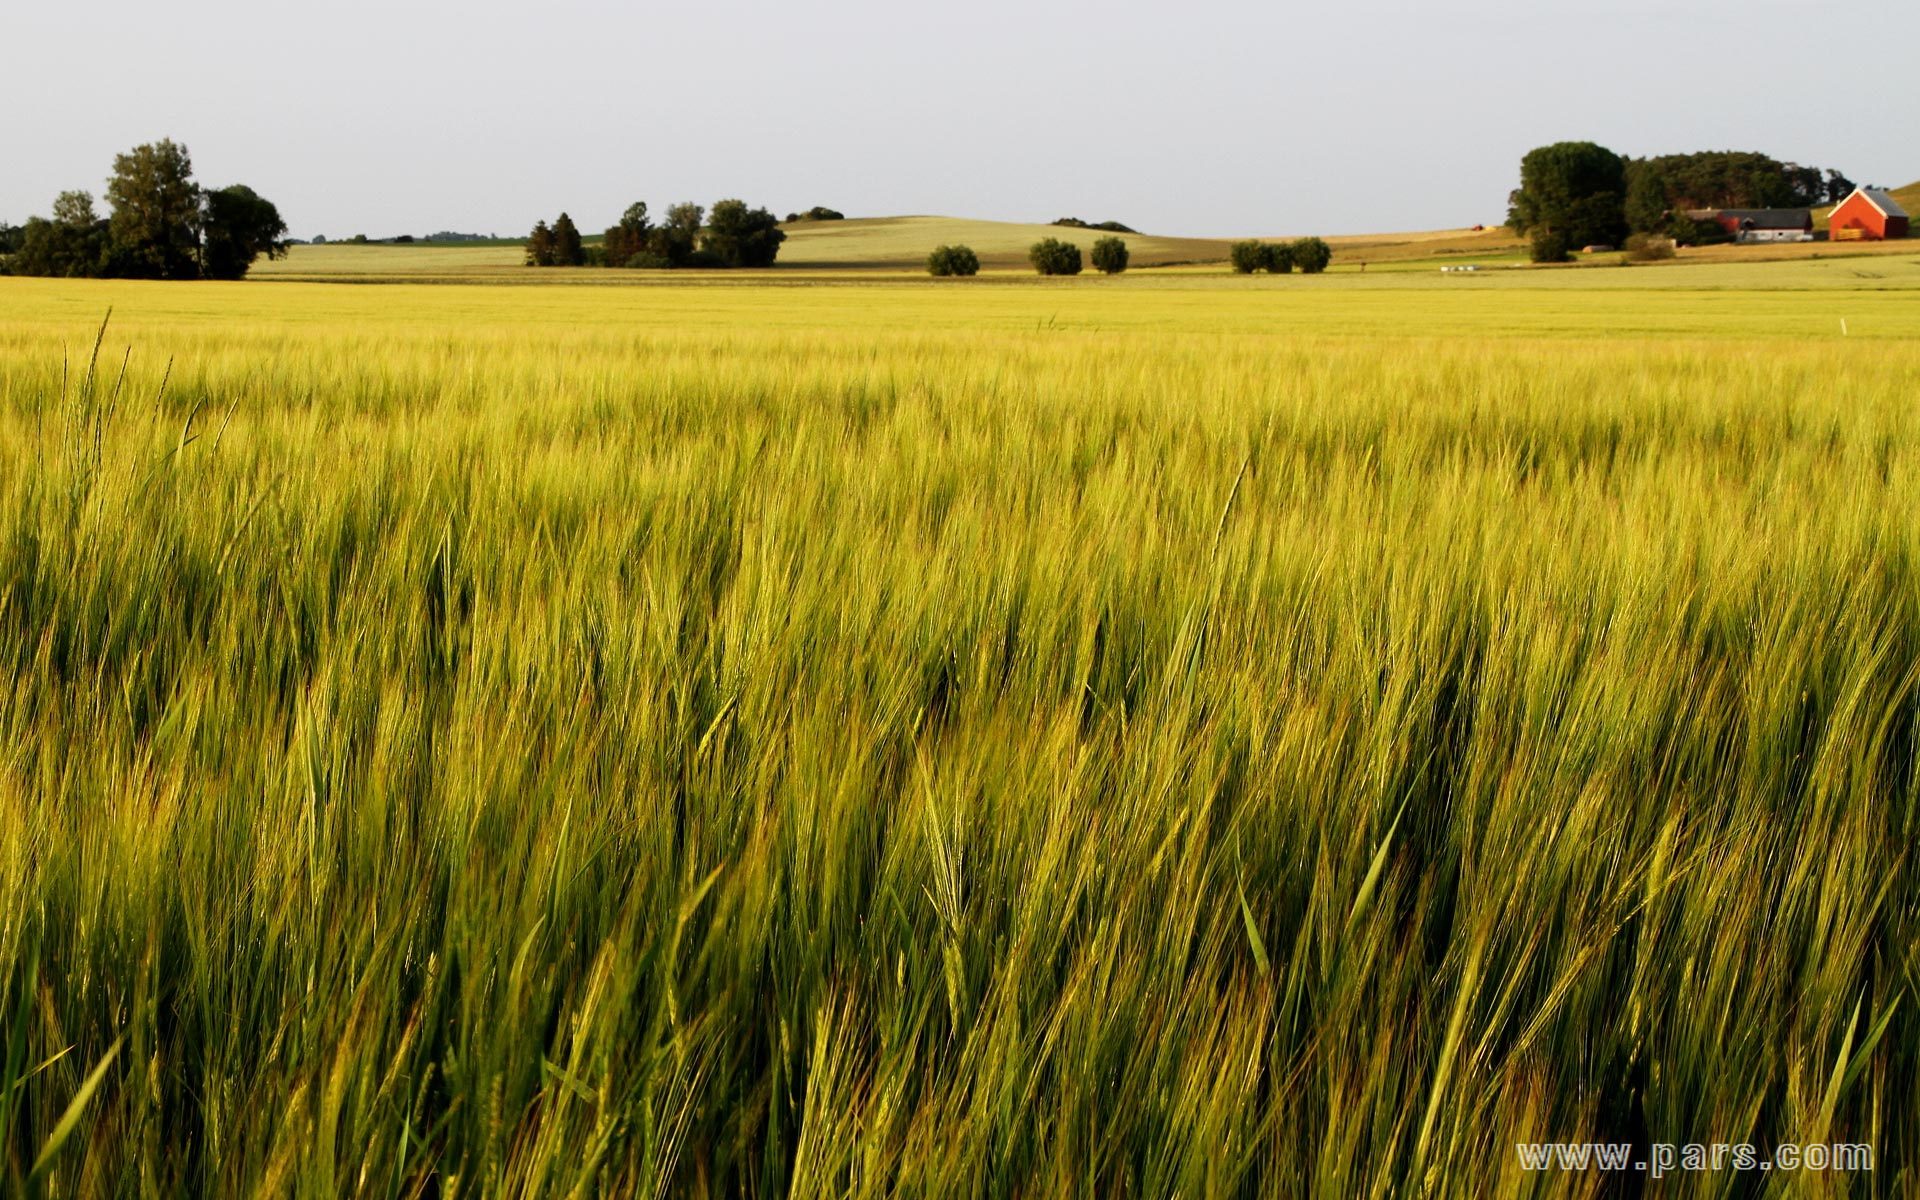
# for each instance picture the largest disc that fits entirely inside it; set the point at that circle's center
(1204, 117)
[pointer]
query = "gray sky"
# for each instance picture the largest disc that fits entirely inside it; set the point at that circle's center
(1205, 117)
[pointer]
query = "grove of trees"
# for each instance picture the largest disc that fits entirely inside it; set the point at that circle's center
(1110, 255)
(556, 245)
(1311, 255)
(1051, 256)
(1571, 194)
(734, 235)
(160, 225)
(1103, 226)
(953, 260)
(1574, 194)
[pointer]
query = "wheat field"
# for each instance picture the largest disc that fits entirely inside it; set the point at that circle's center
(1116, 739)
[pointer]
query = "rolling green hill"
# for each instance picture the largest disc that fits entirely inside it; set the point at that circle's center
(904, 242)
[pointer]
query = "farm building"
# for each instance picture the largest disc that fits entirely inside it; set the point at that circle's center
(1761, 224)
(1867, 215)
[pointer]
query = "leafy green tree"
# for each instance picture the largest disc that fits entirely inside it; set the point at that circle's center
(1248, 256)
(567, 249)
(237, 226)
(156, 213)
(673, 240)
(1575, 192)
(60, 250)
(540, 246)
(1051, 256)
(1839, 187)
(72, 245)
(1310, 254)
(1722, 179)
(1277, 258)
(742, 236)
(818, 212)
(623, 242)
(1110, 255)
(1646, 204)
(75, 210)
(953, 260)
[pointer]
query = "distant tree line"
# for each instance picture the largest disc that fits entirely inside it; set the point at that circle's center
(1575, 194)
(160, 225)
(1310, 255)
(1051, 256)
(732, 235)
(818, 212)
(1104, 226)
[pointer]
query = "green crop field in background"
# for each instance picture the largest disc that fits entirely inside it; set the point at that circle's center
(1172, 736)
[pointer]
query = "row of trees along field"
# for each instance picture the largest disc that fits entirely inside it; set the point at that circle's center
(1311, 255)
(1575, 194)
(732, 235)
(1051, 256)
(161, 225)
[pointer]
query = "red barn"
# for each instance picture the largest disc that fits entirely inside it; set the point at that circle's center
(1867, 215)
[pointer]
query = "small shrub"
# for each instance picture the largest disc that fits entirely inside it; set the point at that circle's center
(1649, 247)
(953, 260)
(1110, 255)
(1311, 255)
(1051, 256)
(1248, 256)
(1548, 245)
